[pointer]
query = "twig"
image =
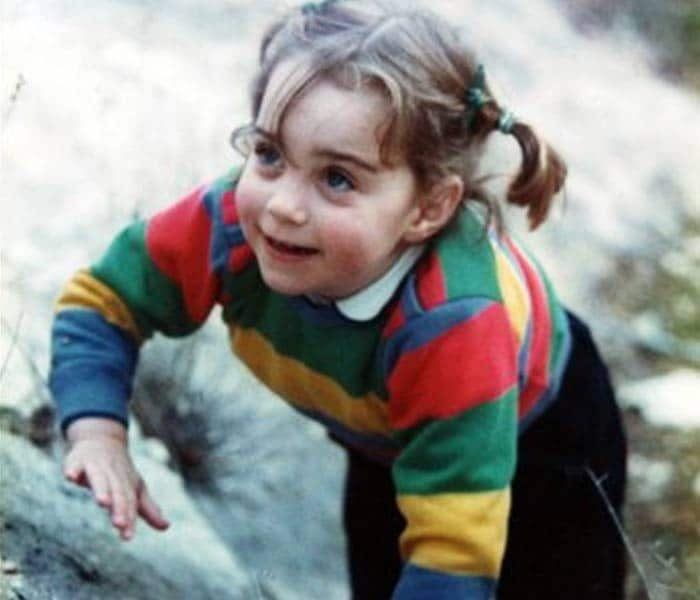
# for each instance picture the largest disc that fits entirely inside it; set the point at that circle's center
(13, 342)
(36, 372)
(623, 534)
(684, 591)
(19, 84)
(262, 591)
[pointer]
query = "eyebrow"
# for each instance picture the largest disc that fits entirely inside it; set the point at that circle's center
(266, 134)
(330, 153)
(345, 157)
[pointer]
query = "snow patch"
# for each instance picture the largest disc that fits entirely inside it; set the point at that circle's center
(671, 400)
(651, 476)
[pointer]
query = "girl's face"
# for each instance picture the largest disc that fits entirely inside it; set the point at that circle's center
(321, 212)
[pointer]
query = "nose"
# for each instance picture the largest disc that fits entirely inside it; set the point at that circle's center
(287, 205)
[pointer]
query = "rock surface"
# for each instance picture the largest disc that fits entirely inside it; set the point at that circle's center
(60, 545)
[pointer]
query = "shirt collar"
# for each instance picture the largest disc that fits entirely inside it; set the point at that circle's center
(368, 302)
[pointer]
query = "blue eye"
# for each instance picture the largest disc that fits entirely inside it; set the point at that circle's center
(266, 154)
(338, 181)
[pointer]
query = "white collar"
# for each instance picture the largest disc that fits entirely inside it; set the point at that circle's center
(368, 302)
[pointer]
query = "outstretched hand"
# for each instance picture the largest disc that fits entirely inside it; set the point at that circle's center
(98, 458)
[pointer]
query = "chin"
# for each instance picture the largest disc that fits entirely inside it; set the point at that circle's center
(286, 286)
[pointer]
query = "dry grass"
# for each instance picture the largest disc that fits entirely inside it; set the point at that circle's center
(665, 524)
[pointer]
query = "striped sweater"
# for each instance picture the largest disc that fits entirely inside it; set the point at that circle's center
(470, 348)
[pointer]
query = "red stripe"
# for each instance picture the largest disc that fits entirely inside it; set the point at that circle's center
(470, 364)
(431, 281)
(529, 396)
(178, 241)
(396, 320)
(537, 369)
(240, 257)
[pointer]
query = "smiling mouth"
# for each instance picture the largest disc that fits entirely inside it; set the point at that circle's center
(289, 249)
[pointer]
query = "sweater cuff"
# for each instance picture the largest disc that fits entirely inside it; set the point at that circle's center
(92, 367)
(82, 393)
(418, 583)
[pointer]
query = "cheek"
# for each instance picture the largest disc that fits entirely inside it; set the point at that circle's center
(245, 206)
(248, 202)
(348, 243)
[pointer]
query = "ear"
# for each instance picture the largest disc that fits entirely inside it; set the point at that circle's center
(435, 209)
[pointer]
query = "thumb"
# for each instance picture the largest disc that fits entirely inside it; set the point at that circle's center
(150, 511)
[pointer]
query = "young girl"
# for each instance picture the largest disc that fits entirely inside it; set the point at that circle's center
(365, 278)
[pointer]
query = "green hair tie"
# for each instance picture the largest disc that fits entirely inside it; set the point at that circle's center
(506, 121)
(475, 96)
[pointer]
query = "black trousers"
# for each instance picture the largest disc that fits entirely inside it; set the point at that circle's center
(563, 542)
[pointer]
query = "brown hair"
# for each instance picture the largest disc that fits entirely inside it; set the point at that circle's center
(419, 63)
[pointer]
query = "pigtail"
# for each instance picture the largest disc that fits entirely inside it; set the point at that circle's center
(542, 171)
(541, 175)
(441, 108)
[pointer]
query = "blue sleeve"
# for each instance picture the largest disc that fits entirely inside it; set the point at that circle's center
(418, 583)
(92, 367)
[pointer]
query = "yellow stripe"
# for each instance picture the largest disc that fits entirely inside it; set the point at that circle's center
(462, 534)
(306, 388)
(84, 291)
(515, 295)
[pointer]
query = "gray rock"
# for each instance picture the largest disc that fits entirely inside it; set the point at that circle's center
(55, 543)
(268, 480)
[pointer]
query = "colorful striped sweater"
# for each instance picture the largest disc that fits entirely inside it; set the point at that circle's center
(470, 348)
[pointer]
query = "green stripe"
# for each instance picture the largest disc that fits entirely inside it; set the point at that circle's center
(226, 182)
(352, 362)
(471, 452)
(155, 302)
(467, 257)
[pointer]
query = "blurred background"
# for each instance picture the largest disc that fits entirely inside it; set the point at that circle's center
(112, 109)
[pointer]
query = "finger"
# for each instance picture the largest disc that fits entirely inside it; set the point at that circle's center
(123, 505)
(73, 470)
(150, 511)
(99, 484)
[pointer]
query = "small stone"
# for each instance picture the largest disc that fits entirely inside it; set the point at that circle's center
(651, 476)
(696, 485)
(666, 400)
(9, 567)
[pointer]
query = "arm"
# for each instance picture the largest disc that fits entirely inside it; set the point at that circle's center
(161, 275)
(453, 408)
